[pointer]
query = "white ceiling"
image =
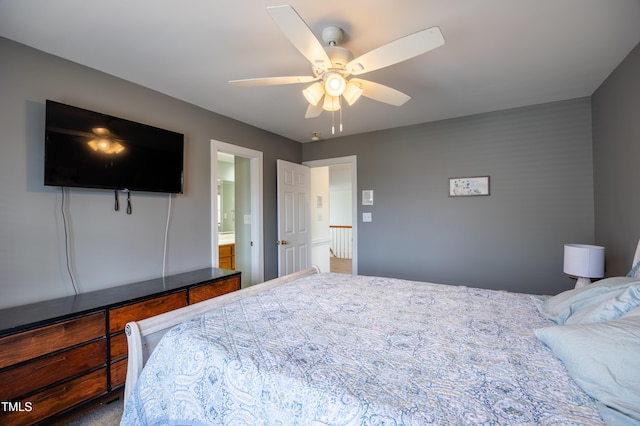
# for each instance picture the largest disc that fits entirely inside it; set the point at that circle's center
(498, 53)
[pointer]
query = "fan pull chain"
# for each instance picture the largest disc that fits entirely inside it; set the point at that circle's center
(340, 101)
(333, 120)
(333, 126)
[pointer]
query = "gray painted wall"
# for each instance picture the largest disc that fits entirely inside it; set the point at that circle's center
(540, 161)
(616, 141)
(108, 248)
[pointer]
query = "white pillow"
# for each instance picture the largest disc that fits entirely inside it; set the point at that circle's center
(609, 307)
(603, 359)
(603, 300)
(635, 271)
(632, 313)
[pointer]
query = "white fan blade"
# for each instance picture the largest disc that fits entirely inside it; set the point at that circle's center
(313, 111)
(397, 51)
(299, 34)
(272, 81)
(380, 92)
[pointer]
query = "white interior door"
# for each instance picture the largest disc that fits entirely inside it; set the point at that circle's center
(294, 234)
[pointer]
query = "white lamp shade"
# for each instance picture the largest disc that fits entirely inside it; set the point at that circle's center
(352, 93)
(314, 93)
(331, 103)
(583, 260)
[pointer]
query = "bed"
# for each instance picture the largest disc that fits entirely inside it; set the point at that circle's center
(332, 349)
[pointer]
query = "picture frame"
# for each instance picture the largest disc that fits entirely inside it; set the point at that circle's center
(471, 186)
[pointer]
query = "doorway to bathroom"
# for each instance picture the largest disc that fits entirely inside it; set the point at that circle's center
(236, 211)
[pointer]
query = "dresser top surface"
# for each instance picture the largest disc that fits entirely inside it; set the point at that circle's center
(24, 317)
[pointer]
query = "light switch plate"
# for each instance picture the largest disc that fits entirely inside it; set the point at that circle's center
(366, 217)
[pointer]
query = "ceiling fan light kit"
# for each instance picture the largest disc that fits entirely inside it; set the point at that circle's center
(331, 103)
(314, 93)
(352, 93)
(334, 83)
(332, 64)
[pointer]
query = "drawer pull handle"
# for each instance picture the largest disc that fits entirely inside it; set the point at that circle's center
(55, 361)
(52, 394)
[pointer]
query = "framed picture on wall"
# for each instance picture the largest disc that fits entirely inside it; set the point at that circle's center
(469, 186)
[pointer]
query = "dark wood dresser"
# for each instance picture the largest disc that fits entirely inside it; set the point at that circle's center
(61, 355)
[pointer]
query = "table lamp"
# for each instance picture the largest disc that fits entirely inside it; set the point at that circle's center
(584, 262)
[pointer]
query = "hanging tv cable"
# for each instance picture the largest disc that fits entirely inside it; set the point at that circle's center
(129, 208)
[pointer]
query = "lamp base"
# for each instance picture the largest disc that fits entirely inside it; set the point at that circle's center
(582, 281)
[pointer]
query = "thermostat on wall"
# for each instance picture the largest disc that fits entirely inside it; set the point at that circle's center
(367, 197)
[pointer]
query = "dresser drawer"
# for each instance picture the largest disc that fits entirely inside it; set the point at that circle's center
(118, 373)
(208, 291)
(51, 369)
(56, 399)
(29, 344)
(119, 317)
(118, 347)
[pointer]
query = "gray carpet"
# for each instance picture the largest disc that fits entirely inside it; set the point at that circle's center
(104, 415)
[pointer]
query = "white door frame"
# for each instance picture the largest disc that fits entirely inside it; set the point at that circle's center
(255, 157)
(352, 160)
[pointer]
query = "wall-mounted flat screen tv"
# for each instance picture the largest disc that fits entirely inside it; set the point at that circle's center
(93, 150)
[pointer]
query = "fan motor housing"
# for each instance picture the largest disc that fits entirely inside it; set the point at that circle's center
(339, 57)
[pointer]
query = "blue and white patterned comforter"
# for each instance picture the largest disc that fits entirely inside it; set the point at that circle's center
(335, 349)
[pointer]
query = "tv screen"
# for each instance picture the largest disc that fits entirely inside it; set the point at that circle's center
(92, 150)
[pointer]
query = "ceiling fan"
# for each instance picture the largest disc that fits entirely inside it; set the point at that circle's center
(332, 65)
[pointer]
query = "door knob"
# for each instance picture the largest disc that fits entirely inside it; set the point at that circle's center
(282, 242)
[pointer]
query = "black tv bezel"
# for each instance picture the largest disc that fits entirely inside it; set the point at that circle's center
(175, 137)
